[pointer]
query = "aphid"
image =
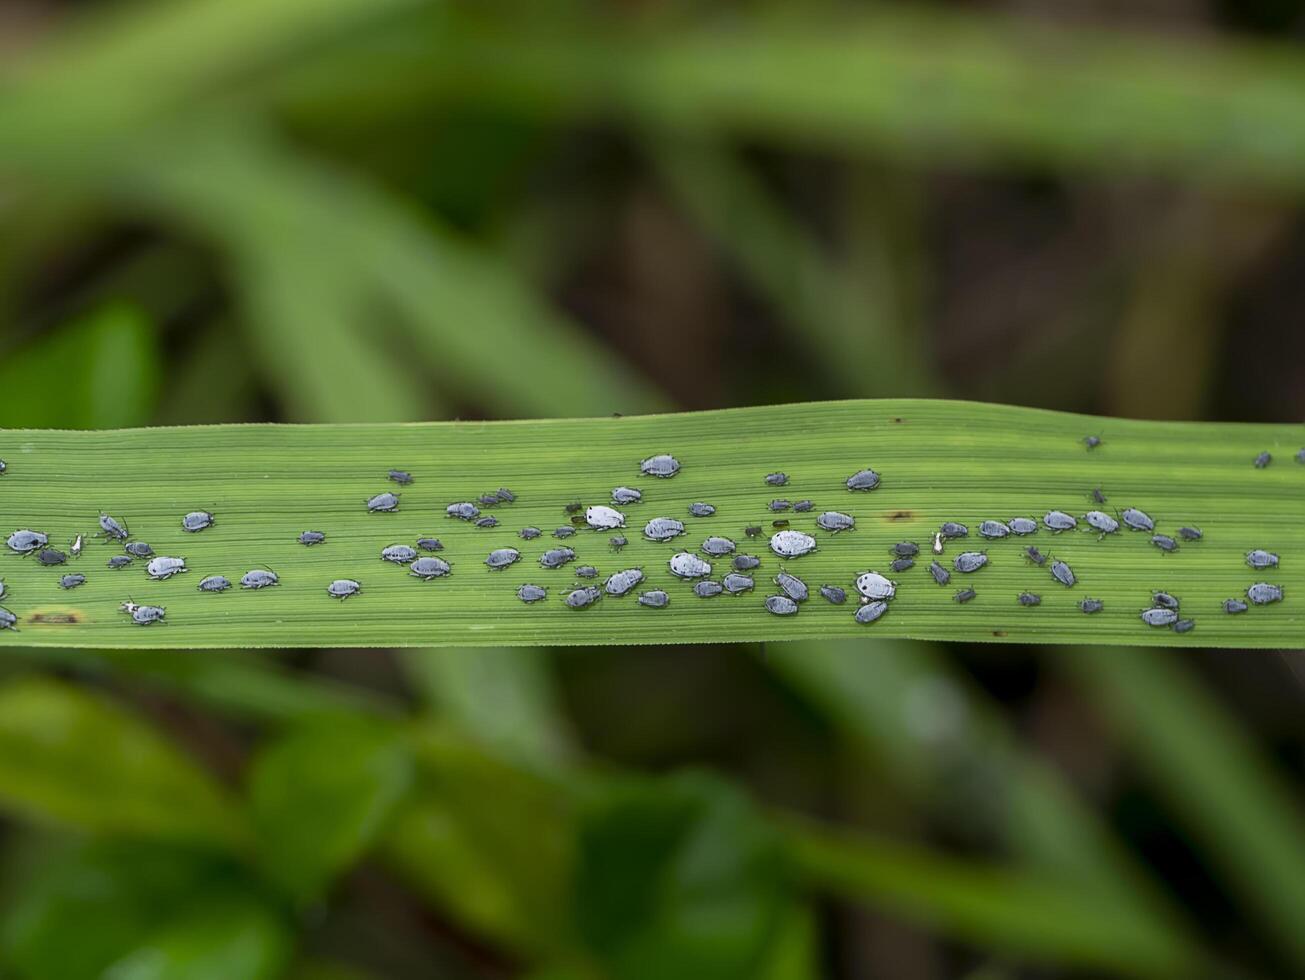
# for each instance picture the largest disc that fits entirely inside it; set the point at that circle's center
(259, 578)
(872, 585)
(573, 508)
(700, 509)
(3, 466)
(901, 564)
(25, 541)
(138, 549)
(1164, 600)
(71, 581)
(487, 522)
(602, 518)
(147, 615)
(745, 563)
(656, 599)
(778, 504)
(871, 611)
(1234, 606)
(1262, 593)
(1030, 599)
(1164, 542)
(3, 590)
(707, 589)
(662, 466)
(969, 561)
(834, 594)
(505, 495)
(383, 503)
(214, 583)
(109, 527)
(8, 621)
(780, 605)
(1137, 520)
(501, 558)
(400, 554)
(1263, 460)
(1159, 616)
(565, 531)
(663, 529)
(1023, 525)
(735, 583)
(196, 520)
(752, 530)
(400, 477)
(953, 529)
(532, 593)
(119, 561)
(586, 571)
(1101, 521)
(311, 538)
(717, 546)
(619, 583)
(488, 500)
(584, 596)
(1058, 520)
(1092, 441)
(832, 520)
(526, 533)
(1190, 533)
(51, 556)
(428, 567)
(1062, 573)
(435, 544)
(1034, 555)
(792, 586)
(777, 479)
(940, 574)
(792, 544)
(993, 529)
(1300, 456)
(164, 567)
(685, 564)
(779, 524)
(802, 506)
(866, 479)
(342, 588)
(905, 549)
(965, 595)
(1184, 625)
(617, 542)
(463, 510)
(938, 543)
(75, 548)
(1091, 606)
(1259, 558)
(556, 557)
(1097, 496)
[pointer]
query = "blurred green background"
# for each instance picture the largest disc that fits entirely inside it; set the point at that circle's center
(347, 210)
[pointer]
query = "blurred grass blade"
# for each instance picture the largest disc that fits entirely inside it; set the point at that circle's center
(939, 461)
(1215, 782)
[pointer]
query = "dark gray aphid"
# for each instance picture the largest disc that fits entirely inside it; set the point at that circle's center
(1184, 625)
(1058, 520)
(953, 529)
(1159, 616)
(834, 594)
(1034, 555)
(434, 544)
(586, 571)
(1023, 525)
(626, 495)
(573, 508)
(487, 522)
(965, 595)
(866, 479)
(617, 542)
(1029, 599)
(259, 578)
(1234, 606)
(505, 495)
(51, 556)
(488, 500)
(792, 586)
(1137, 520)
(8, 621)
(777, 479)
(464, 510)
(164, 567)
(778, 504)
(792, 544)
(565, 531)
(664, 466)
(779, 524)
(602, 518)
(556, 557)
(969, 561)
(717, 546)
(832, 520)
(147, 615)
(1091, 606)
(1101, 521)
(1062, 573)
(1263, 460)
(901, 564)
(1164, 600)
(708, 589)
(700, 509)
(1191, 533)
(780, 605)
(532, 593)
(752, 530)
(906, 549)
(871, 611)
(584, 596)
(685, 564)
(428, 567)
(663, 529)
(311, 538)
(501, 558)
(383, 503)
(940, 574)
(138, 549)
(25, 541)
(529, 533)
(735, 583)
(1164, 542)
(1092, 441)
(214, 583)
(745, 563)
(656, 599)
(993, 529)
(119, 561)
(72, 581)
(197, 520)
(109, 527)
(400, 477)
(400, 554)
(1262, 593)
(1097, 496)
(1259, 558)
(1300, 456)
(802, 506)
(342, 588)
(619, 583)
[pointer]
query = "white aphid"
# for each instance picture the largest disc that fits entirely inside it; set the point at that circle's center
(792, 544)
(602, 518)
(685, 564)
(872, 585)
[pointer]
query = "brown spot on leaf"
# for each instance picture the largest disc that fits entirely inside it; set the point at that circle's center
(901, 515)
(998, 632)
(55, 617)
(898, 419)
